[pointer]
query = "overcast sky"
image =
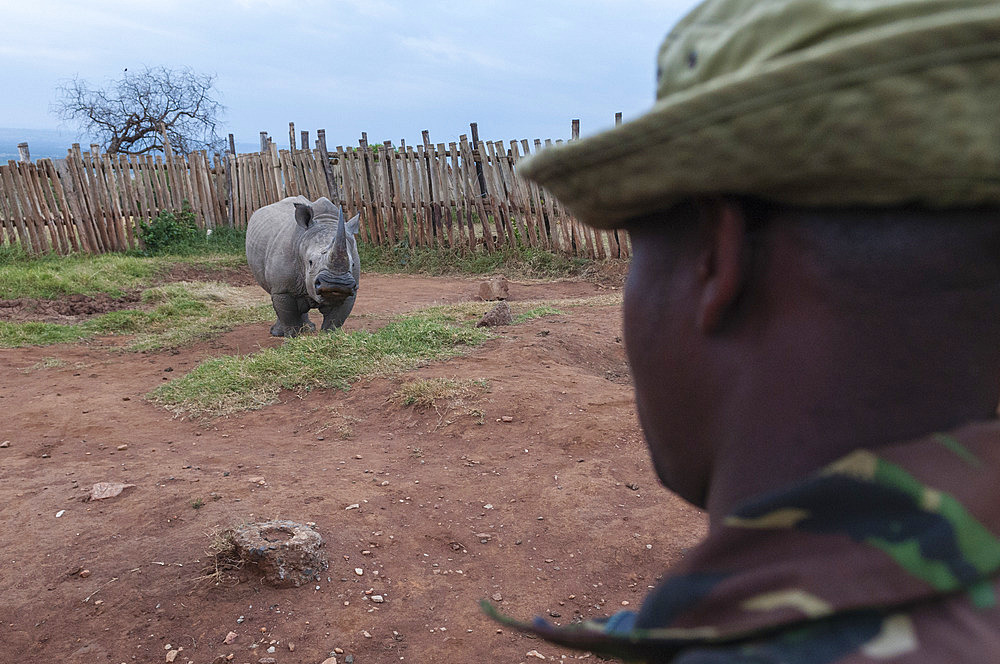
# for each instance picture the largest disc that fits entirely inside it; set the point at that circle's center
(391, 68)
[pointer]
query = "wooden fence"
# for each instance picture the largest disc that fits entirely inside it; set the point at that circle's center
(465, 196)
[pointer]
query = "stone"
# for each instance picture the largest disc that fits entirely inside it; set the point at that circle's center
(498, 315)
(172, 655)
(286, 553)
(84, 573)
(102, 490)
(496, 288)
(230, 638)
(329, 660)
(5, 443)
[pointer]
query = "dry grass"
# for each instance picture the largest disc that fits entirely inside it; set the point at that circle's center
(224, 560)
(445, 395)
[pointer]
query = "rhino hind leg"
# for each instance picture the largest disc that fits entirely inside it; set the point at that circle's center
(334, 317)
(293, 315)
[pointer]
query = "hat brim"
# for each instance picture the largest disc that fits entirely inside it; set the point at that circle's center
(885, 117)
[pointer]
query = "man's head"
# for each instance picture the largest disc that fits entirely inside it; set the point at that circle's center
(750, 324)
(814, 205)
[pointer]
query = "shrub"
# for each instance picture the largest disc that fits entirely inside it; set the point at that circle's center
(170, 232)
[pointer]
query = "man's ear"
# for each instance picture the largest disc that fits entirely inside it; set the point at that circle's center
(722, 267)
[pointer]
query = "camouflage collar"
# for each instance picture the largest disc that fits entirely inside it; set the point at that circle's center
(869, 533)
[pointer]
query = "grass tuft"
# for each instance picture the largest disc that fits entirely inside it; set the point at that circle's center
(225, 385)
(432, 392)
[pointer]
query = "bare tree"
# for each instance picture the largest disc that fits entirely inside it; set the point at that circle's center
(126, 114)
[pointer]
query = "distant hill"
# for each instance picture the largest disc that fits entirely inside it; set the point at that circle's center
(43, 143)
(53, 143)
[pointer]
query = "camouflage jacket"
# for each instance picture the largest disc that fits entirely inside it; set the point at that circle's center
(887, 556)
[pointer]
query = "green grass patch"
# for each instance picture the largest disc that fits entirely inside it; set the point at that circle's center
(177, 314)
(15, 335)
(51, 276)
(230, 384)
(516, 263)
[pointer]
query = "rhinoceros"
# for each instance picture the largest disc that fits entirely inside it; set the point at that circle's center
(305, 255)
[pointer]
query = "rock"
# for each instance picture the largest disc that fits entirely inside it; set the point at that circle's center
(497, 597)
(287, 554)
(496, 288)
(498, 315)
(122, 448)
(483, 537)
(267, 660)
(271, 650)
(534, 653)
(359, 571)
(506, 418)
(329, 660)
(172, 655)
(84, 573)
(378, 599)
(5, 443)
(102, 490)
(230, 638)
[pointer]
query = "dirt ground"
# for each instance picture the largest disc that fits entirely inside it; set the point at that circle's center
(537, 493)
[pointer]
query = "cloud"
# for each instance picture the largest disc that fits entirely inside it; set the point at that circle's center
(443, 50)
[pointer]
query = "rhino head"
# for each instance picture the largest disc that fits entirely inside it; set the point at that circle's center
(328, 250)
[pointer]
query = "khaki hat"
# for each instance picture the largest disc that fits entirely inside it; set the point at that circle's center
(804, 102)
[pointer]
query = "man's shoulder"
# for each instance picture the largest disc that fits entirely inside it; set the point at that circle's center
(947, 630)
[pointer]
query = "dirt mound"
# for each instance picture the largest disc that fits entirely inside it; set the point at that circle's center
(70, 309)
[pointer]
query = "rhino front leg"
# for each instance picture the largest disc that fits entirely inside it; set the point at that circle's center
(293, 315)
(334, 317)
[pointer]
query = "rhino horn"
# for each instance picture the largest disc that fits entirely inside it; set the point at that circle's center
(339, 261)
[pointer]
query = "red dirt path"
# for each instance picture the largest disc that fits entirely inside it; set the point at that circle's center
(568, 537)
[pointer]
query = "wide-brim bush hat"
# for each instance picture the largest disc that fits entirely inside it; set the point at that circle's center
(804, 102)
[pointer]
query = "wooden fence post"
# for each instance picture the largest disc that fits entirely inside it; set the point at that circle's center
(227, 165)
(479, 165)
(331, 180)
(23, 152)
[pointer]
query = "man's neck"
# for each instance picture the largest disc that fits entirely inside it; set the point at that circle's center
(815, 400)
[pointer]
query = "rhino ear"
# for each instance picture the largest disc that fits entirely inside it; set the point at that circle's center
(354, 224)
(303, 214)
